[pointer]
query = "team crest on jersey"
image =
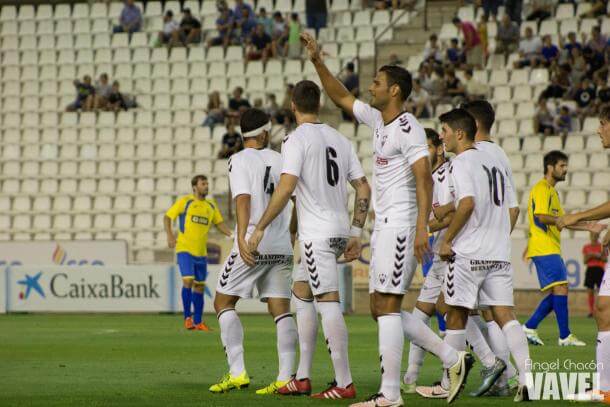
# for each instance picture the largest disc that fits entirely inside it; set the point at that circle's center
(382, 278)
(380, 161)
(383, 140)
(202, 220)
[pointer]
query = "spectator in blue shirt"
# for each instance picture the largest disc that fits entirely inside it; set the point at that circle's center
(549, 51)
(247, 23)
(572, 42)
(266, 21)
(239, 6)
(85, 94)
(130, 20)
(225, 26)
(454, 54)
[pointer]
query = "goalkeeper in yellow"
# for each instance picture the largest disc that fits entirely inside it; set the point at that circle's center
(196, 214)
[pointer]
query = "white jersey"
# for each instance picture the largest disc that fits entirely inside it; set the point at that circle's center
(486, 235)
(324, 161)
(397, 145)
(442, 194)
(256, 173)
(498, 153)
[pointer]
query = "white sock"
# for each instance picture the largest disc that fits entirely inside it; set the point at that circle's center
(481, 323)
(391, 341)
(417, 331)
(335, 332)
(479, 344)
(456, 339)
(517, 343)
(286, 345)
(498, 345)
(416, 353)
(232, 337)
(307, 325)
(603, 359)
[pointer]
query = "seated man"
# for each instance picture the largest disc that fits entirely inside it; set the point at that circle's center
(169, 27)
(85, 93)
(130, 20)
(259, 46)
(225, 26)
(189, 31)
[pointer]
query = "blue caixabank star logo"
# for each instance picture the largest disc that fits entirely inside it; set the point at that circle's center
(31, 283)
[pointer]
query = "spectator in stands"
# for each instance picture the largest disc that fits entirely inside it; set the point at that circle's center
(224, 25)
(116, 100)
(130, 20)
(482, 30)
(572, 42)
(316, 14)
(540, 10)
(169, 27)
(246, 24)
(454, 53)
(603, 94)
(475, 89)
(584, 97)
(289, 118)
(543, 119)
(266, 21)
(490, 8)
(507, 39)
(419, 101)
(102, 91)
(472, 43)
(529, 49)
(514, 8)
(258, 103)
(350, 80)
(549, 51)
(85, 94)
(578, 65)
(394, 60)
(231, 142)
(454, 89)
(238, 10)
(293, 44)
(598, 42)
(432, 51)
(259, 45)
(237, 104)
(556, 89)
(273, 109)
(280, 34)
(597, 66)
(563, 121)
(215, 111)
(189, 31)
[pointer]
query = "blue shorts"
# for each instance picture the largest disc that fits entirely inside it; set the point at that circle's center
(193, 266)
(551, 271)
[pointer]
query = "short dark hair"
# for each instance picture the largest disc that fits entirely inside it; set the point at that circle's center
(483, 113)
(197, 178)
(553, 157)
(433, 136)
(460, 119)
(350, 66)
(604, 114)
(456, 20)
(169, 13)
(398, 75)
(306, 97)
(186, 11)
(253, 119)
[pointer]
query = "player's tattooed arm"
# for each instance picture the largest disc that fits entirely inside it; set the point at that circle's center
(362, 202)
(333, 87)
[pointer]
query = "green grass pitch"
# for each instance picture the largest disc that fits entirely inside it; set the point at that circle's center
(150, 360)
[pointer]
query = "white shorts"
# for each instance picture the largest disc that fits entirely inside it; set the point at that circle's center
(392, 261)
(270, 276)
(433, 284)
(472, 283)
(604, 288)
(319, 264)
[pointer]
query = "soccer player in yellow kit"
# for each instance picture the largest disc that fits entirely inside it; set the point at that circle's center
(195, 214)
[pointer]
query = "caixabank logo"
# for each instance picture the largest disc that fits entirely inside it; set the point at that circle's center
(65, 286)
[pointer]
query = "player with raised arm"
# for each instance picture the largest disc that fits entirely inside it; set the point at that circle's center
(253, 174)
(196, 214)
(402, 200)
(602, 310)
(544, 249)
(318, 162)
(477, 243)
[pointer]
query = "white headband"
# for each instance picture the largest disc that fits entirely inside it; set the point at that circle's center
(256, 132)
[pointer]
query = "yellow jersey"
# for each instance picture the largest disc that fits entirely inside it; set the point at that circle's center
(195, 218)
(543, 239)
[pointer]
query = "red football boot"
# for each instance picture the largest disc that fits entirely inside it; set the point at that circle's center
(296, 388)
(334, 392)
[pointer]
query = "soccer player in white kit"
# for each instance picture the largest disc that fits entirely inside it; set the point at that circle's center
(602, 308)
(253, 174)
(402, 201)
(477, 244)
(318, 162)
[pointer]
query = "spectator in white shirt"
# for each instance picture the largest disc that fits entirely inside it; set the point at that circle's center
(433, 50)
(529, 49)
(418, 102)
(169, 26)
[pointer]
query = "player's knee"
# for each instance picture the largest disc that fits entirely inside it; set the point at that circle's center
(457, 317)
(198, 286)
(278, 306)
(302, 290)
(561, 289)
(503, 315)
(222, 302)
(425, 307)
(602, 313)
(487, 314)
(187, 282)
